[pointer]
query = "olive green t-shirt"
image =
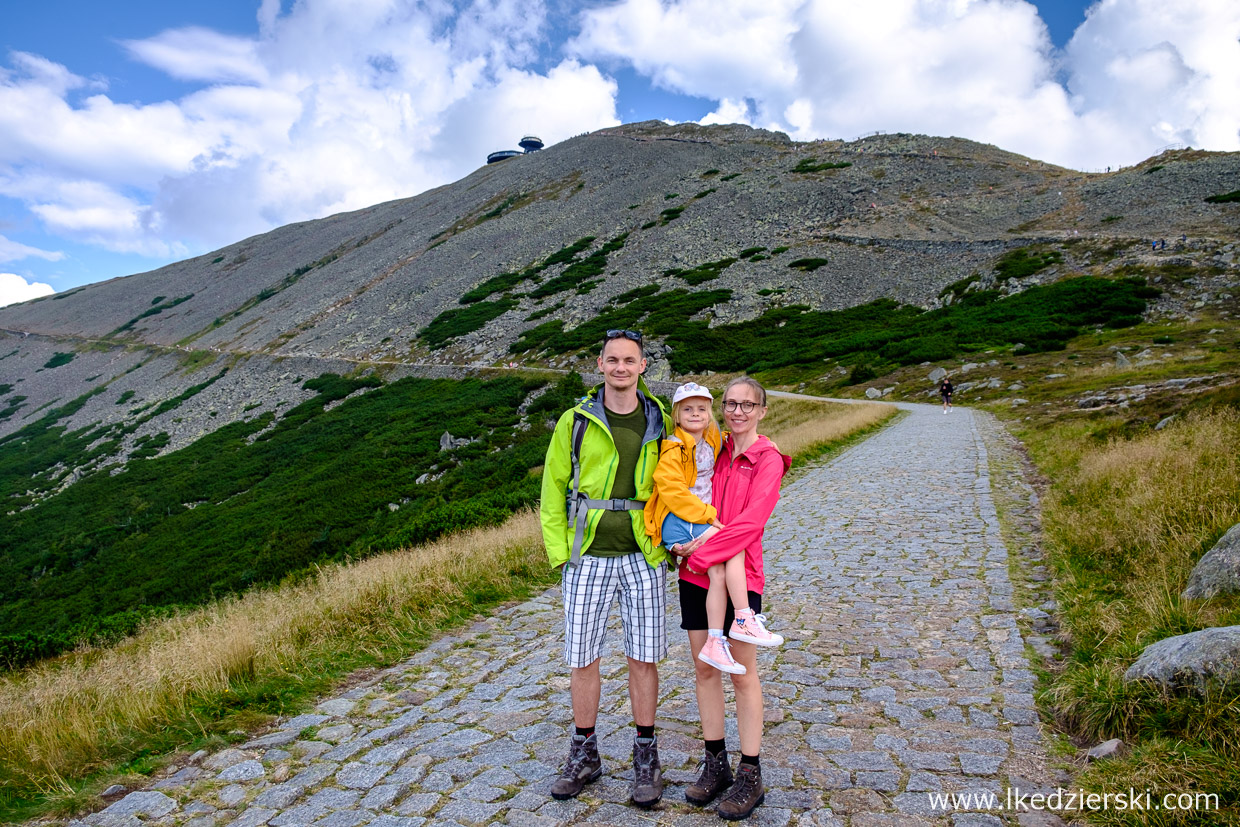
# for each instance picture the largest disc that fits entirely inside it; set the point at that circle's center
(614, 535)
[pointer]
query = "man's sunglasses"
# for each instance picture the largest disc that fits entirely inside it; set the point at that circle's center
(616, 333)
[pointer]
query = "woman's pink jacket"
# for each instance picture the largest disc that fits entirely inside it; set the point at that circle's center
(744, 489)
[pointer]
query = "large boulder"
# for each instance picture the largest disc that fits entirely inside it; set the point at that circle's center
(937, 375)
(1191, 660)
(1218, 572)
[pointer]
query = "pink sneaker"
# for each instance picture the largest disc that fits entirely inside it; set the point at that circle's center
(716, 653)
(749, 629)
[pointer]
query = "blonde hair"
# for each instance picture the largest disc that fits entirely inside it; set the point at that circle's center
(753, 385)
(679, 406)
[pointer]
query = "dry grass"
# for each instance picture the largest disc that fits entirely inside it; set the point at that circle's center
(1149, 506)
(801, 427)
(65, 720)
(1125, 522)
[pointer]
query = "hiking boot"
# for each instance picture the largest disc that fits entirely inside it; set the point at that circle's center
(582, 767)
(747, 793)
(715, 778)
(750, 630)
(647, 772)
(718, 654)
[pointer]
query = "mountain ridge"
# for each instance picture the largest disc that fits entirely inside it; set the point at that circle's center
(889, 216)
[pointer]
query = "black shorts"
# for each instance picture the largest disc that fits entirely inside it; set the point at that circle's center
(693, 608)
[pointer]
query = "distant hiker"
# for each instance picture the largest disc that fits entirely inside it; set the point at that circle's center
(598, 474)
(945, 391)
(680, 511)
(1153, 245)
(1162, 243)
(745, 488)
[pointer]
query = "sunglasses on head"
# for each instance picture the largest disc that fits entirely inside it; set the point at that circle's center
(617, 333)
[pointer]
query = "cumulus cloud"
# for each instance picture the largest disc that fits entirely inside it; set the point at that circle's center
(1138, 74)
(14, 288)
(13, 251)
(333, 105)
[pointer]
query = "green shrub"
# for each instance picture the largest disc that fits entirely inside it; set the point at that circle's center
(703, 272)
(316, 486)
(813, 165)
(730, 176)
(459, 321)
(748, 252)
(671, 214)
(1224, 198)
(1022, 262)
(704, 193)
(861, 373)
(808, 265)
(59, 359)
(497, 284)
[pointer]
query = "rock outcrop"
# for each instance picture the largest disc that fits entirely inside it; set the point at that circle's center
(1218, 572)
(1191, 660)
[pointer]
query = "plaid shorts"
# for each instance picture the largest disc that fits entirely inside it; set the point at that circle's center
(589, 590)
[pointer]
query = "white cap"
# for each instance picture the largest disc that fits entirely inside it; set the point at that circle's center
(689, 390)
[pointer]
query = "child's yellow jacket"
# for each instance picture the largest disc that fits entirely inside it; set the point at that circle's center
(673, 477)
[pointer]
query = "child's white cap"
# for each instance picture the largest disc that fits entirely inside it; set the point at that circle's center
(689, 390)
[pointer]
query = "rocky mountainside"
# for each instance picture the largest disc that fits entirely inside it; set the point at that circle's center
(446, 281)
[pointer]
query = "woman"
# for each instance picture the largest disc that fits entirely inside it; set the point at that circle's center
(745, 489)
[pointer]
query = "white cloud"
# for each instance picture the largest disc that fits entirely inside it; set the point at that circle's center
(194, 53)
(13, 251)
(14, 288)
(1140, 73)
(334, 105)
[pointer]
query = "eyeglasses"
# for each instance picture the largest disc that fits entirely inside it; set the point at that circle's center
(730, 405)
(616, 333)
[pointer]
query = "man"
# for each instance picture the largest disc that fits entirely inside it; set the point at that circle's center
(592, 522)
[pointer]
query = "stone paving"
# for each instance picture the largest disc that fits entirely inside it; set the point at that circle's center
(904, 674)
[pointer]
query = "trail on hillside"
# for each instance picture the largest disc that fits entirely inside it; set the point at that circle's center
(904, 680)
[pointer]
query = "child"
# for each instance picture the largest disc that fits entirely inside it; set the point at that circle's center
(680, 511)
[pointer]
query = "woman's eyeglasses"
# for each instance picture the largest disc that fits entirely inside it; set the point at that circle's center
(730, 405)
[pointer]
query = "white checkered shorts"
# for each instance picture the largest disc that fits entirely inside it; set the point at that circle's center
(589, 590)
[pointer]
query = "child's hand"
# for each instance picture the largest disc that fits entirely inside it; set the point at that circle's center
(716, 523)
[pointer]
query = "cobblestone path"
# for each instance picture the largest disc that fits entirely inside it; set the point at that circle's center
(904, 674)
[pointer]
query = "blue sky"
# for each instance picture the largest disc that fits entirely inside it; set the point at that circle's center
(136, 133)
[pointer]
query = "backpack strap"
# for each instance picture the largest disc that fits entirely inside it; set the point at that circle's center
(578, 504)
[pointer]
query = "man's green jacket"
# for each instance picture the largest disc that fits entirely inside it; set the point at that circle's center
(598, 473)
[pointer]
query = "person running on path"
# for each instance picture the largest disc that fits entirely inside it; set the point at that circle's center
(945, 391)
(745, 485)
(681, 510)
(592, 523)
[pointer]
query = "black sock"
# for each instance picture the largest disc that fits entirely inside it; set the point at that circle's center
(749, 759)
(585, 731)
(645, 731)
(716, 747)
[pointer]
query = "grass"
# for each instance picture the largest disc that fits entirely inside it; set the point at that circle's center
(76, 724)
(804, 433)
(1126, 518)
(237, 662)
